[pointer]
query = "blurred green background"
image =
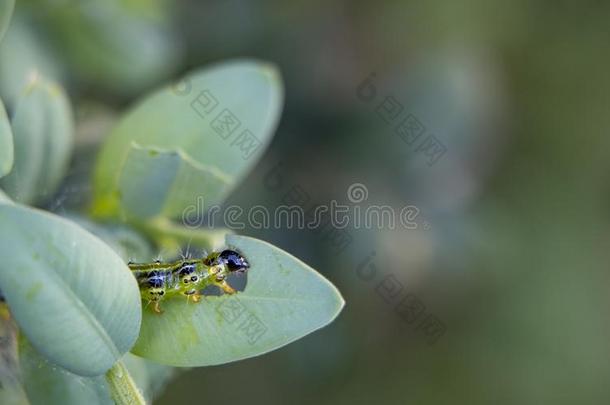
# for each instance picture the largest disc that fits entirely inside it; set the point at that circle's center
(511, 251)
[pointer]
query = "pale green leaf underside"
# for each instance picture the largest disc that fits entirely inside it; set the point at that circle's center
(284, 300)
(189, 117)
(126, 242)
(6, 142)
(24, 51)
(48, 384)
(71, 295)
(163, 182)
(122, 47)
(42, 128)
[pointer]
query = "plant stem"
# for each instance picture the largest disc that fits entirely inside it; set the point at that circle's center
(122, 387)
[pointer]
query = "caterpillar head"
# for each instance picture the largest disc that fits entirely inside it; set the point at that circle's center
(227, 262)
(233, 261)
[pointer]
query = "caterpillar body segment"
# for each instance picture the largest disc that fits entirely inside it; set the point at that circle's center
(159, 281)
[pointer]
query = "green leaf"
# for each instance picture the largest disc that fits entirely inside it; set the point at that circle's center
(6, 143)
(125, 241)
(24, 52)
(4, 199)
(42, 126)
(155, 181)
(100, 41)
(284, 300)
(46, 383)
(71, 295)
(6, 10)
(151, 378)
(179, 123)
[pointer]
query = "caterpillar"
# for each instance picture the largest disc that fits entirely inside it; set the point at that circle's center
(159, 281)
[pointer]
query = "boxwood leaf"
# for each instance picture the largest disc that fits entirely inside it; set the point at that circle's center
(42, 126)
(284, 300)
(45, 383)
(156, 181)
(216, 121)
(71, 295)
(25, 50)
(99, 41)
(125, 241)
(6, 143)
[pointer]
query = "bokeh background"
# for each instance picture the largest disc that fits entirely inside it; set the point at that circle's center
(511, 249)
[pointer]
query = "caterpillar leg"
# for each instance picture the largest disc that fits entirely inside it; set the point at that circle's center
(226, 287)
(192, 295)
(156, 307)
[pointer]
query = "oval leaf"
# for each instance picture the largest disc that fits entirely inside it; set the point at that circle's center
(284, 300)
(42, 125)
(6, 143)
(46, 383)
(24, 51)
(71, 295)
(155, 181)
(126, 242)
(218, 119)
(101, 44)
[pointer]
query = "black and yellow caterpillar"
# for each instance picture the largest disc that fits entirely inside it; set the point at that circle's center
(159, 281)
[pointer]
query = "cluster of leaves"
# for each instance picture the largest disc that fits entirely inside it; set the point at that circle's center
(75, 308)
